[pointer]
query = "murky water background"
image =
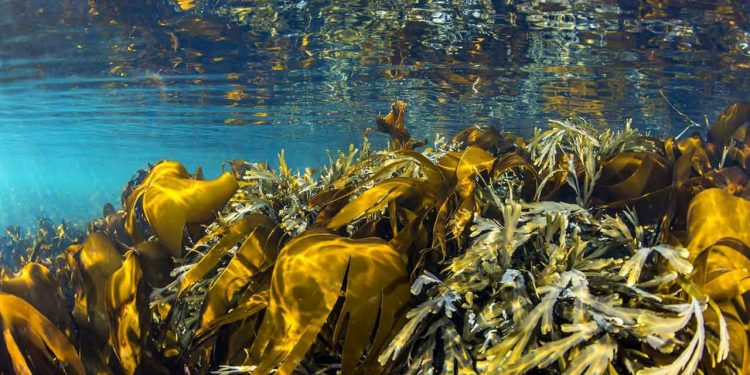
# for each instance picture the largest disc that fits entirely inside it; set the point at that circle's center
(91, 91)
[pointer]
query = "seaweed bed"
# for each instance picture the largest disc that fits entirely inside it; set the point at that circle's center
(576, 251)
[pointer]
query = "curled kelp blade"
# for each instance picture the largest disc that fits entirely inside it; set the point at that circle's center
(376, 198)
(641, 181)
(715, 214)
(170, 198)
(631, 175)
(729, 121)
(393, 125)
(228, 237)
(31, 344)
(127, 306)
(723, 269)
(490, 140)
(36, 285)
(257, 253)
(518, 162)
(719, 244)
(718, 218)
(455, 204)
(93, 263)
(308, 278)
(691, 158)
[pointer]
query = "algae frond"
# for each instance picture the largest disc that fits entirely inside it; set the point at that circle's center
(577, 251)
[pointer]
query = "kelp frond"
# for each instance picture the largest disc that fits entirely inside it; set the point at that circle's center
(581, 251)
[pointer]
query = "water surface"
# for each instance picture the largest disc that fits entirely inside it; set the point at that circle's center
(91, 91)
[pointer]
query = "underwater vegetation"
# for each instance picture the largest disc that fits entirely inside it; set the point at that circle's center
(574, 251)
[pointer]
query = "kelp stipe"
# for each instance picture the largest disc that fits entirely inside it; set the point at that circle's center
(579, 251)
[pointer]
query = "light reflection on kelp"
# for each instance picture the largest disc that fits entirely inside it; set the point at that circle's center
(577, 251)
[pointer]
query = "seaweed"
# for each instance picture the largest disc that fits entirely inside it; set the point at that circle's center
(577, 251)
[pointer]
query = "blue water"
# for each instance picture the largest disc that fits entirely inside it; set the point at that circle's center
(91, 91)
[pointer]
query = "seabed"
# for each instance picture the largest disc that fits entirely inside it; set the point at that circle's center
(574, 251)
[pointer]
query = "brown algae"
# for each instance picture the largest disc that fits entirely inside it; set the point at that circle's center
(576, 251)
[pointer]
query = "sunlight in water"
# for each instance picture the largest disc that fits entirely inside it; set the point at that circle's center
(296, 187)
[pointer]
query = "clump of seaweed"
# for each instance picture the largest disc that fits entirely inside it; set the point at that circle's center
(579, 251)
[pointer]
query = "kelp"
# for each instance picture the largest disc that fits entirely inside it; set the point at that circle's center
(90, 265)
(45, 242)
(31, 344)
(312, 271)
(36, 285)
(719, 244)
(128, 315)
(577, 251)
(256, 254)
(170, 198)
(393, 125)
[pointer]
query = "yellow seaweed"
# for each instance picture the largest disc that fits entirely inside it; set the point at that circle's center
(632, 175)
(36, 285)
(376, 198)
(91, 265)
(257, 253)
(715, 214)
(459, 170)
(128, 313)
(170, 199)
(393, 125)
(244, 300)
(307, 281)
(719, 244)
(230, 236)
(729, 121)
(31, 344)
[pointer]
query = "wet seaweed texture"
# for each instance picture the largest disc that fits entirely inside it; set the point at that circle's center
(575, 251)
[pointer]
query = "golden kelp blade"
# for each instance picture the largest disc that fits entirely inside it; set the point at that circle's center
(724, 269)
(31, 344)
(257, 253)
(96, 261)
(307, 282)
(36, 285)
(155, 262)
(640, 180)
(460, 170)
(729, 121)
(715, 214)
(473, 161)
(393, 124)
(92, 264)
(489, 140)
(127, 307)
(631, 175)
(230, 236)
(375, 199)
(170, 199)
(719, 244)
